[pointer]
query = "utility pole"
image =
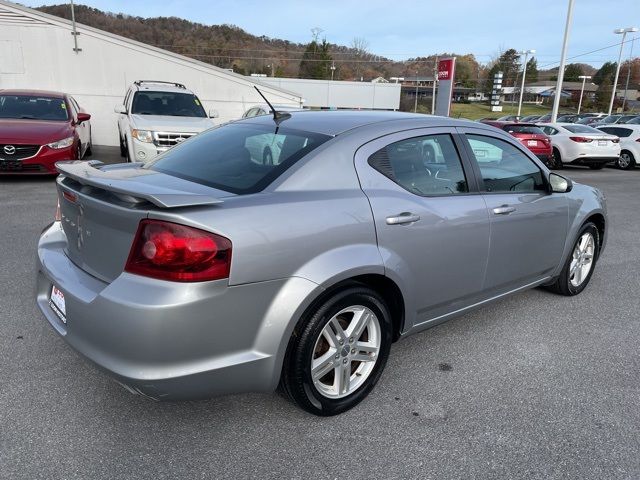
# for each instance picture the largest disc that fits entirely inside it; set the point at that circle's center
(74, 32)
(563, 61)
(626, 86)
(584, 79)
(333, 68)
(433, 92)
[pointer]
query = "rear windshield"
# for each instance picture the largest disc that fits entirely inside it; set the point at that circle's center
(532, 129)
(239, 158)
(31, 107)
(167, 103)
(575, 128)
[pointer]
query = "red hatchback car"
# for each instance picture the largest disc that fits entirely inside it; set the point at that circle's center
(531, 136)
(38, 129)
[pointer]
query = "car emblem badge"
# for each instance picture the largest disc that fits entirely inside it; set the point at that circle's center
(80, 235)
(9, 149)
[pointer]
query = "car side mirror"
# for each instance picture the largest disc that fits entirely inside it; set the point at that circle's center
(120, 109)
(559, 184)
(213, 114)
(83, 117)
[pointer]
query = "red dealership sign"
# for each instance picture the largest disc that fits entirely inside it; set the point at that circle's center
(445, 69)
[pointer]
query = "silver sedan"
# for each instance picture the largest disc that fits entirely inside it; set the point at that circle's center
(206, 272)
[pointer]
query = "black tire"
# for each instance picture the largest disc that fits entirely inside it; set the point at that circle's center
(629, 163)
(562, 284)
(597, 167)
(267, 157)
(89, 150)
(127, 157)
(557, 159)
(296, 379)
(123, 147)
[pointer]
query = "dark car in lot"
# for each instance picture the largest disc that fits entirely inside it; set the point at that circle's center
(40, 128)
(530, 135)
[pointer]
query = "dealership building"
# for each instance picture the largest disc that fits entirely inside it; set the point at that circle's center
(38, 51)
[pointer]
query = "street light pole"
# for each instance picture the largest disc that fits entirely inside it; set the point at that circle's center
(563, 61)
(433, 90)
(584, 79)
(415, 106)
(624, 32)
(524, 74)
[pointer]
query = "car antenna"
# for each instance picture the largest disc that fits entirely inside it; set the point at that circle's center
(277, 116)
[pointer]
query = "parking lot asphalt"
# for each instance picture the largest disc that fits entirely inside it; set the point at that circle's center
(533, 386)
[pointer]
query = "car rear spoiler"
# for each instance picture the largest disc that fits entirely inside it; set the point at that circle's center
(127, 182)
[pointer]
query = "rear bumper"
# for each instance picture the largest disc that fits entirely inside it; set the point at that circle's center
(42, 163)
(167, 340)
(593, 160)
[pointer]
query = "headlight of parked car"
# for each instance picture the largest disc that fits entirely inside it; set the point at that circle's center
(64, 143)
(143, 135)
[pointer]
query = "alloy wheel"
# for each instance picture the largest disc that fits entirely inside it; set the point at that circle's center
(346, 352)
(582, 259)
(624, 160)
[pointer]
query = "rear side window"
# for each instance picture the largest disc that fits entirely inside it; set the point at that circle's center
(618, 131)
(428, 165)
(504, 168)
(549, 130)
(531, 129)
(238, 158)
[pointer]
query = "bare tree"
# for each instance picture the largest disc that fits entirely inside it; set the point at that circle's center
(360, 47)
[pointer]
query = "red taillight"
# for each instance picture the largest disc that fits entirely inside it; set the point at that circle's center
(169, 251)
(581, 139)
(72, 197)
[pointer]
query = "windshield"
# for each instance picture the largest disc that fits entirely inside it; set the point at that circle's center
(610, 118)
(31, 107)
(532, 129)
(167, 103)
(238, 158)
(575, 128)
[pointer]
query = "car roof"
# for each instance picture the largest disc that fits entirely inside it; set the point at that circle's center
(32, 93)
(335, 122)
(160, 87)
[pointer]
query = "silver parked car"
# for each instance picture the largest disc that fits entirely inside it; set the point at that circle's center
(204, 272)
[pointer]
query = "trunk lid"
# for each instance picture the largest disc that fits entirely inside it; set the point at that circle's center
(102, 207)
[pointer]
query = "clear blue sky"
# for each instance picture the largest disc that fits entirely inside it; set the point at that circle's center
(410, 28)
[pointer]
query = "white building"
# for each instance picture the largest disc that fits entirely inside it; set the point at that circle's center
(37, 52)
(340, 94)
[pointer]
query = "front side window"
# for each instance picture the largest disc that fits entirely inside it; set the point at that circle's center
(504, 168)
(173, 104)
(31, 107)
(232, 157)
(428, 165)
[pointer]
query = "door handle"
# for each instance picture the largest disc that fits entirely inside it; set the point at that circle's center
(403, 218)
(504, 210)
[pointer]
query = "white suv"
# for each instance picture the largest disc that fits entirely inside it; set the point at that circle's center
(157, 115)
